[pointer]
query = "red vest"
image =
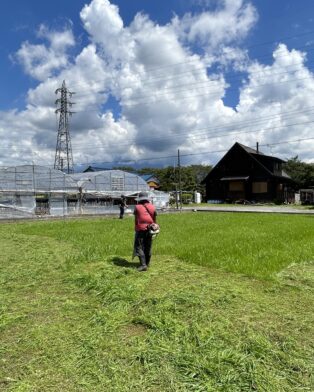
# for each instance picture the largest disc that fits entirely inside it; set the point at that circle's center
(143, 217)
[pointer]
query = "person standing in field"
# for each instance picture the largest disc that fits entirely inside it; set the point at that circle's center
(145, 215)
(122, 206)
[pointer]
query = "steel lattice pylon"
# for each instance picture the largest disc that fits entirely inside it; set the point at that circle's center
(63, 157)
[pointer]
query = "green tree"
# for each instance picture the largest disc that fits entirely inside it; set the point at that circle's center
(129, 169)
(302, 173)
(191, 177)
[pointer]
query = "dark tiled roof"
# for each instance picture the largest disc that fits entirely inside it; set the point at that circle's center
(258, 153)
(250, 150)
(94, 168)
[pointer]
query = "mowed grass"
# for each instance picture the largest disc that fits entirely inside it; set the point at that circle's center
(226, 306)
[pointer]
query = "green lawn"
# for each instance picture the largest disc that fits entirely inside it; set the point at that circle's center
(226, 306)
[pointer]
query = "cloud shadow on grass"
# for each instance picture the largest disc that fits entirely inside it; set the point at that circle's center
(121, 262)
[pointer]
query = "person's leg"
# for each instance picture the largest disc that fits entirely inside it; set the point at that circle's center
(148, 248)
(143, 266)
(139, 250)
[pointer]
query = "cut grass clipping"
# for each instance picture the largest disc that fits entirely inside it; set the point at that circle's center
(226, 306)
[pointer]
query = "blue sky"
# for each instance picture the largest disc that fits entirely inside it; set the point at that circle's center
(154, 71)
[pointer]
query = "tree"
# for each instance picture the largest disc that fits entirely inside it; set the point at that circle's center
(302, 173)
(129, 169)
(191, 177)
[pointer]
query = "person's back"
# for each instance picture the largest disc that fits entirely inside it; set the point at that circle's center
(145, 215)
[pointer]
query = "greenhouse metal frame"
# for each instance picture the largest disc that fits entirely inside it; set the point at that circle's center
(32, 190)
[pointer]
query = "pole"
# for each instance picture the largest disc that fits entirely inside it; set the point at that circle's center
(177, 204)
(180, 190)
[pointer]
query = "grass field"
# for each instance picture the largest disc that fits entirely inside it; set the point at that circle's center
(226, 306)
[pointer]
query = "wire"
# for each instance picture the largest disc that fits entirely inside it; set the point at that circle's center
(207, 130)
(208, 137)
(210, 130)
(192, 154)
(202, 82)
(145, 103)
(182, 155)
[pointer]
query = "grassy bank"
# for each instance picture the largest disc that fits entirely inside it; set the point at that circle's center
(226, 306)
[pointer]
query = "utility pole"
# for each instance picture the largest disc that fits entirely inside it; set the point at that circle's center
(175, 183)
(63, 157)
(179, 170)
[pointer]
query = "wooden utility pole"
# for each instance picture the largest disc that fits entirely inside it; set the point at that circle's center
(179, 170)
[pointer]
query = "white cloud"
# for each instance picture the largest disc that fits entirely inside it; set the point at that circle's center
(101, 20)
(169, 95)
(230, 23)
(39, 61)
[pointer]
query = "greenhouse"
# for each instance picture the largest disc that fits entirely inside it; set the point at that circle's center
(32, 190)
(101, 191)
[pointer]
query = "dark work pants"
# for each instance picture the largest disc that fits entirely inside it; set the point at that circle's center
(143, 247)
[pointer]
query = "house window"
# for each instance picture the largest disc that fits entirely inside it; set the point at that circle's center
(117, 184)
(259, 187)
(236, 186)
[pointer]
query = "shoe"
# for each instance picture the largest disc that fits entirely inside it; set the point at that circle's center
(142, 268)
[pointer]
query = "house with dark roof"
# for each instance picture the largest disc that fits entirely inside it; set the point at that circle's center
(94, 169)
(244, 174)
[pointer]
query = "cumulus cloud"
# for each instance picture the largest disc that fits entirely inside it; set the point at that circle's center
(232, 21)
(40, 61)
(145, 89)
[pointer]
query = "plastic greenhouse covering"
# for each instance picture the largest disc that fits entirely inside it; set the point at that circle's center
(111, 182)
(32, 190)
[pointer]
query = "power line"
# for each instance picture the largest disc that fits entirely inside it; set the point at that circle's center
(192, 154)
(212, 137)
(182, 155)
(205, 82)
(209, 132)
(145, 103)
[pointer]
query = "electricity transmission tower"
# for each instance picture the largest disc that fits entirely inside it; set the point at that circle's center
(63, 157)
